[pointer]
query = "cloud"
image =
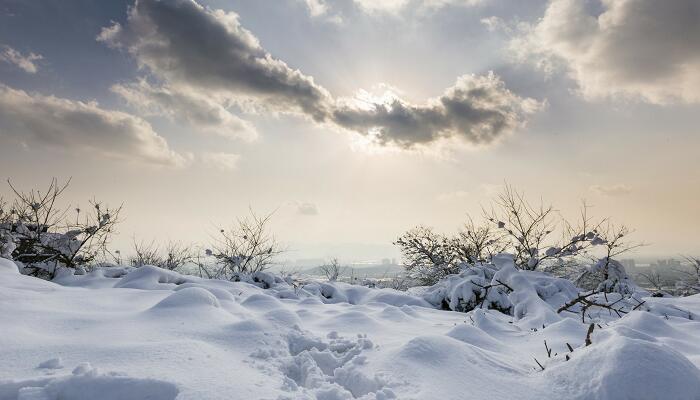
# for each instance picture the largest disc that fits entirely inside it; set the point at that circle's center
(322, 8)
(612, 190)
(197, 49)
(456, 195)
(187, 106)
(307, 209)
(645, 49)
(476, 110)
(35, 119)
(394, 6)
(14, 57)
(481, 191)
(222, 161)
(205, 60)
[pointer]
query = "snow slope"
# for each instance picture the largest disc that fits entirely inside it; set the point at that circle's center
(154, 334)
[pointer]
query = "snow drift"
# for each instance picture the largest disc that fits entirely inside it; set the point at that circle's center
(148, 333)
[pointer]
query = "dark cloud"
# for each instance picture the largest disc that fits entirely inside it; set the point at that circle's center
(186, 44)
(34, 119)
(477, 109)
(636, 48)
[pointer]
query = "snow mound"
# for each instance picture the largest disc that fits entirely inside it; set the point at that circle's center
(189, 297)
(474, 336)
(8, 266)
(87, 383)
(261, 301)
(149, 278)
(267, 338)
(619, 367)
(340, 292)
(54, 363)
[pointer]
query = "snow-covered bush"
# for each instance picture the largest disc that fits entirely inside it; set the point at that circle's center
(472, 288)
(534, 298)
(607, 274)
(42, 237)
(501, 286)
(610, 276)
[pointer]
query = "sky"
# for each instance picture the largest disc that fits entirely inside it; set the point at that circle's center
(354, 120)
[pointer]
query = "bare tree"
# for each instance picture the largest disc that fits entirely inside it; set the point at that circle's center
(332, 270)
(478, 243)
(428, 256)
(537, 236)
(689, 284)
(530, 230)
(654, 280)
(248, 247)
(44, 236)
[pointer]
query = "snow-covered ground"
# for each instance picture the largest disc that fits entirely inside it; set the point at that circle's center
(154, 334)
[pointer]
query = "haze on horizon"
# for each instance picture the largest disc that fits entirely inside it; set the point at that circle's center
(355, 119)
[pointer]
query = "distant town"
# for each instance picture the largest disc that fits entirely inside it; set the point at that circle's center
(648, 272)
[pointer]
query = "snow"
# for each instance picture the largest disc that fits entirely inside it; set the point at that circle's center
(54, 363)
(149, 333)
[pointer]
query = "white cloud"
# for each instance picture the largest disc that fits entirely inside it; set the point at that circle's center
(187, 106)
(640, 49)
(85, 128)
(456, 195)
(612, 190)
(221, 161)
(328, 9)
(307, 209)
(14, 57)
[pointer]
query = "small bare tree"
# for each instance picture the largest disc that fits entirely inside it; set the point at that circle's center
(246, 248)
(332, 270)
(654, 280)
(689, 284)
(177, 255)
(173, 256)
(145, 253)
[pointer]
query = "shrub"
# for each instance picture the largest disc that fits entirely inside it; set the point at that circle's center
(43, 237)
(534, 234)
(246, 248)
